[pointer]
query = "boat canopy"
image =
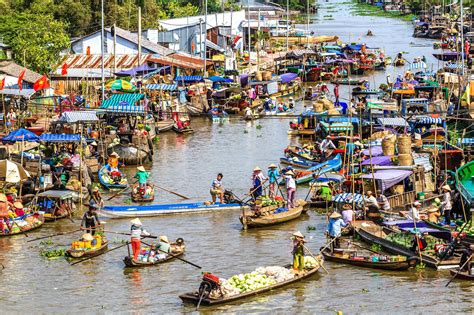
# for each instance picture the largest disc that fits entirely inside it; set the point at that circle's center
(79, 116)
(388, 178)
(162, 87)
(393, 121)
(55, 137)
(188, 78)
(382, 160)
(348, 198)
(122, 100)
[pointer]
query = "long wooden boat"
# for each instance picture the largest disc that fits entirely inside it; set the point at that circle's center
(177, 251)
(40, 222)
(385, 265)
(271, 219)
(289, 112)
(466, 240)
(186, 130)
(131, 154)
(375, 234)
(348, 81)
(465, 183)
(321, 168)
(49, 201)
(137, 197)
(193, 297)
(79, 253)
(163, 209)
(164, 125)
(106, 183)
(463, 275)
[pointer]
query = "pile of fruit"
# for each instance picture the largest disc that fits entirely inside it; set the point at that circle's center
(250, 281)
(469, 230)
(267, 201)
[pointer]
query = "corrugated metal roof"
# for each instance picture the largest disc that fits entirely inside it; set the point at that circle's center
(126, 109)
(393, 121)
(121, 100)
(77, 116)
(163, 87)
(53, 137)
(83, 61)
(422, 159)
(27, 93)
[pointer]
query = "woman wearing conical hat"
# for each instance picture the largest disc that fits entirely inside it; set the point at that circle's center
(137, 232)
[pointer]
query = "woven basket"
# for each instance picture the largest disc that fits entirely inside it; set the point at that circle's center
(258, 76)
(404, 144)
(388, 145)
(405, 160)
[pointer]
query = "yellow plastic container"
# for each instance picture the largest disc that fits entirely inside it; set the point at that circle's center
(98, 238)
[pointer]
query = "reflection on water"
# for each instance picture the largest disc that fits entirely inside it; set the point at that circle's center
(215, 241)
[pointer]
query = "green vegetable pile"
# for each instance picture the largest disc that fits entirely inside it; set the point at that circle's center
(405, 240)
(469, 230)
(53, 253)
(250, 281)
(267, 201)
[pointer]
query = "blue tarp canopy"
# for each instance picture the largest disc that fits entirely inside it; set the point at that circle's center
(20, 135)
(162, 87)
(217, 78)
(188, 78)
(121, 100)
(288, 77)
(55, 137)
(126, 109)
(144, 68)
(79, 116)
(353, 120)
(160, 70)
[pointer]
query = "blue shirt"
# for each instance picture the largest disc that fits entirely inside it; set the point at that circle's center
(350, 148)
(273, 175)
(335, 226)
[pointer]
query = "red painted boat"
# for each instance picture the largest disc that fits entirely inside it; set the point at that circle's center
(36, 130)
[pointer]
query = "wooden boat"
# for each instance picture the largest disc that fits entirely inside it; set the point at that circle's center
(466, 240)
(37, 130)
(164, 125)
(463, 275)
(193, 297)
(465, 182)
(39, 221)
(106, 183)
(137, 197)
(361, 91)
(375, 234)
(321, 168)
(194, 110)
(131, 154)
(79, 253)
(385, 265)
(162, 209)
(289, 112)
(348, 81)
(185, 130)
(271, 219)
(296, 162)
(55, 204)
(177, 250)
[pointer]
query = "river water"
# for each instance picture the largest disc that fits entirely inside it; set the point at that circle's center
(216, 241)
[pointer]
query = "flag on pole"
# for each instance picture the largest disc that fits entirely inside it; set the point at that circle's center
(2, 84)
(41, 83)
(20, 79)
(64, 69)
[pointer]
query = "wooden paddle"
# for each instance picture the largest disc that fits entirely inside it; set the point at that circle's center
(459, 270)
(89, 258)
(123, 233)
(172, 192)
(53, 235)
(183, 260)
(121, 191)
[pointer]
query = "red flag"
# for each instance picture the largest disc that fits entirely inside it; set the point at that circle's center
(20, 79)
(41, 83)
(64, 69)
(2, 84)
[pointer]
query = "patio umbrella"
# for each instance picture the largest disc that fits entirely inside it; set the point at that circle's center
(12, 172)
(20, 135)
(120, 85)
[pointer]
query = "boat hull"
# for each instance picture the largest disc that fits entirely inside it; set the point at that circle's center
(398, 266)
(272, 219)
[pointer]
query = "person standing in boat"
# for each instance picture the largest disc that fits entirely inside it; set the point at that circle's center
(327, 147)
(447, 204)
(112, 167)
(334, 229)
(96, 197)
(216, 189)
(298, 251)
(273, 176)
(290, 188)
(257, 180)
(336, 94)
(142, 177)
(164, 247)
(90, 220)
(136, 232)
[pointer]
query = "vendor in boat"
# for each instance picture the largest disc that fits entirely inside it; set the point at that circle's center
(369, 33)
(18, 209)
(216, 189)
(257, 183)
(290, 188)
(298, 251)
(142, 177)
(164, 246)
(414, 213)
(324, 193)
(347, 214)
(112, 167)
(433, 211)
(90, 220)
(61, 177)
(447, 204)
(4, 219)
(465, 264)
(136, 232)
(248, 113)
(327, 147)
(291, 104)
(273, 176)
(383, 202)
(336, 94)
(96, 197)
(334, 229)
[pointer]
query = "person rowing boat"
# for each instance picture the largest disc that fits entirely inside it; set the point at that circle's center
(142, 176)
(90, 220)
(137, 231)
(298, 252)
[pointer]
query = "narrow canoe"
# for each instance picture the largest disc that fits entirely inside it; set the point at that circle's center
(193, 297)
(348, 81)
(304, 164)
(25, 230)
(375, 234)
(186, 130)
(177, 252)
(321, 168)
(385, 265)
(137, 197)
(461, 275)
(163, 209)
(272, 219)
(107, 184)
(78, 253)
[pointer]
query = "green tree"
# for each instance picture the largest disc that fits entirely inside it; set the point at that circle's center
(36, 39)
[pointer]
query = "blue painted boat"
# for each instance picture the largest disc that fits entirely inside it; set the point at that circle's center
(106, 183)
(321, 168)
(163, 209)
(296, 162)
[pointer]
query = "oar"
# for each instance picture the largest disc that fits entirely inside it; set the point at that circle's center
(88, 258)
(121, 191)
(123, 233)
(459, 270)
(318, 260)
(183, 260)
(172, 192)
(58, 234)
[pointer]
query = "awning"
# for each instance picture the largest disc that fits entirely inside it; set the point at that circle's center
(429, 121)
(388, 178)
(217, 78)
(162, 87)
(375, 150)
(378, 160)
(144, 68)
(54, 137)
(121, 100)
(78, 116)
(211, 45)
(126, 109)
(336, 127)
(26, 93)
(59, 194)
(395, 121)
(160, 70)
(188, 78)
(418, 65)
(348, 198)
(353, 120)
(288, 77)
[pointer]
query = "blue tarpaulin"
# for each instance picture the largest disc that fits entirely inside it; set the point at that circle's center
(217, 78)
(55, 137)
(20, 135)
(188, 78)
(162, 87)
(79, 116)
(288, 77)
(121, 100)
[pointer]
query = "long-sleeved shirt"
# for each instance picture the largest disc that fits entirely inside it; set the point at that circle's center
(447, 205)
(326, 144)
(290, 182)
(383, 202)
(142, 177)
(137, 231)
(371, 201)
(273, 175)
(335, 226)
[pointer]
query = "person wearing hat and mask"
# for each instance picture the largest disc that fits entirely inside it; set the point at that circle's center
(334, 229)
(90, 220)
(257, 181)
(447, 204)
(96, 197)
(136, 233)
(298, 251)
(142, 177)
(216, 189)
(273, 176)
(290, 188)
(414, 213)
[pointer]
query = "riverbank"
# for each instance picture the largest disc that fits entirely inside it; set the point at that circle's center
(365, 9)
